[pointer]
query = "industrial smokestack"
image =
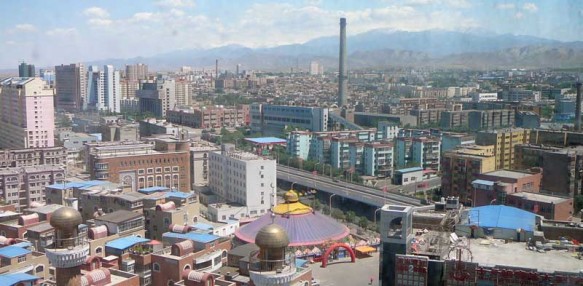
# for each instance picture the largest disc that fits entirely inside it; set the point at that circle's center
(342, 65)
(217, 69)
(578, 107)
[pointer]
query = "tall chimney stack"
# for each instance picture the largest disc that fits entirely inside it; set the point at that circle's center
(578, 107)
(342, 65)
(217, 69)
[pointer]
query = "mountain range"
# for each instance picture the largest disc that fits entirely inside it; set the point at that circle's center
(381, 49)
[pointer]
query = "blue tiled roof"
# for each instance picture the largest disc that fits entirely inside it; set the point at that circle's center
(15, 278)
(412, 169)
(125, 242)
(502, 217)
(266, 140)
(181, 195)
(483, 182)
(13, 251)
(153, 190)
(198, 237)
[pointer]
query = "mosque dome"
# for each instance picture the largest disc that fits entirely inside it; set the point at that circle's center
(272, 236)
(291, 197)
(66, 218)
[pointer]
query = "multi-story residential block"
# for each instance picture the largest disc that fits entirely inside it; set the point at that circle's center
(244, 179)
(340, 152)
(388, 130)
(299, 143)
(128, 89)
(169, 211)
(157, 98)
(403, 157)
(460, 167)
(490, 119)
(427, 116)
(527, 119)
(417, 152)
(210, 117)
(69, 194)
(274, 118)
(199, 156)
(483, 96)
(504, 182)
(33, 157)
(504, 142)
(17, 258)
(25, 186)
(426, 151)
(71, 87)
(521, 95)
(378, 159)
(27, 114)
(451, 141)
(550, 207)
(556, 138)
(136, 72)
(183, 93)
(454, 119)
(164, 163)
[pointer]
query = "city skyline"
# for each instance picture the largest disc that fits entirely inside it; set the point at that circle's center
(50, 33)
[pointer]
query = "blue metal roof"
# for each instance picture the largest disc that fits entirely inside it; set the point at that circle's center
(23, 244)
(483, 182)
(153, 190)
(80, 185)
(124, 243)
(194, 236)
(502, 217)
(181, 195)
(13, 251)
(15, 278)
(408, 170)
(203, 226)
(266, 140)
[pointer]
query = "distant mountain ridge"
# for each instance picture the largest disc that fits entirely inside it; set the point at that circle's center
(382, 48)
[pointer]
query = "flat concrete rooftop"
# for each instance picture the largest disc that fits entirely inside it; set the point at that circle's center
(516, 254)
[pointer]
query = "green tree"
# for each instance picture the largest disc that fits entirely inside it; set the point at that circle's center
(363, 222)
(325, 210)
(317, 204)
(338, 214)
(350, 216)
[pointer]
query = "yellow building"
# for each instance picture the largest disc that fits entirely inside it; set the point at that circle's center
(461, 166)
(504, 141)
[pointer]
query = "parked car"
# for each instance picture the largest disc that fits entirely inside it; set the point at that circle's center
(315, 282)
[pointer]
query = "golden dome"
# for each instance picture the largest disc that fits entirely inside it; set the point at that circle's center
(272, 236)
(66, 218)
(291, 197)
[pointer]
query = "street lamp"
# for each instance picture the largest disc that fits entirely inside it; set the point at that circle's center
(316, 166)
(375, 215)
(292, 185)
(331, 203)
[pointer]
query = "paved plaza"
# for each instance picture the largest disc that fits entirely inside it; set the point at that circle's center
(344, 273)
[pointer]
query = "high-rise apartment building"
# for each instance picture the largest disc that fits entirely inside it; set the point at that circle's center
(243, 178)
(129, 88)
(112, 89)
(136, 72)
(71, 87)
(460, 167)
(316, 68)
(157, 98)
(417, 152)
(104, 89)
(47, 75)
(26, 70)
(504, 142)
(183, 91)
(27, 116)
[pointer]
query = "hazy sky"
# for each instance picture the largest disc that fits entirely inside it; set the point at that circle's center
(48, 32)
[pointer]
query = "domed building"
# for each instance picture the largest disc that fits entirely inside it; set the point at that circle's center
(304, 226)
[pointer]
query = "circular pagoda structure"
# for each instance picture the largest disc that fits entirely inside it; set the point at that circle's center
(304, 226)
